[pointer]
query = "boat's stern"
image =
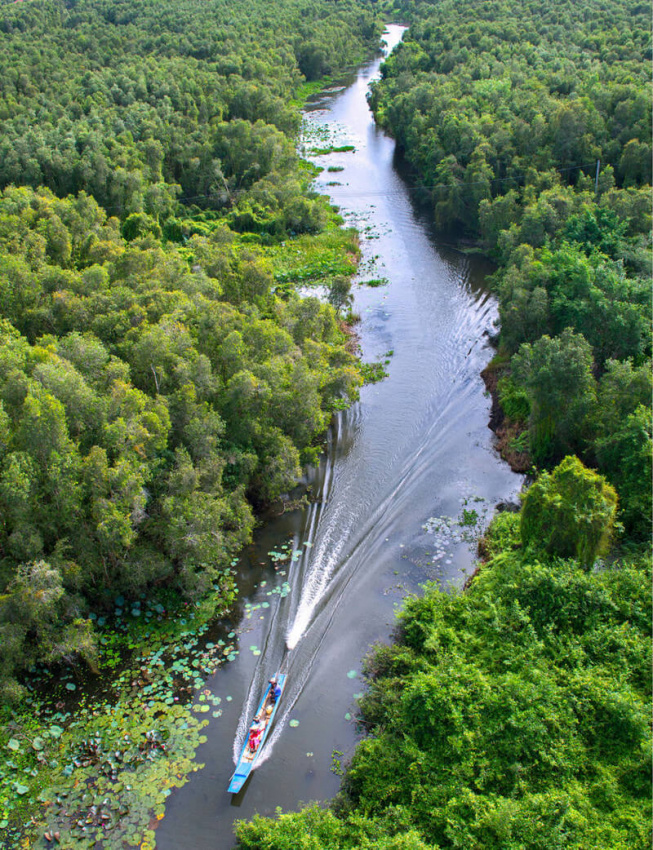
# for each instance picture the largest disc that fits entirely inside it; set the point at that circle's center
(238, 780)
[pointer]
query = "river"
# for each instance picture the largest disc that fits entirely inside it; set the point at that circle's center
(416, 446)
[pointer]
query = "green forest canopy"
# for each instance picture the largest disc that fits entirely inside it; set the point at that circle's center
(503, 110)
(159, 374)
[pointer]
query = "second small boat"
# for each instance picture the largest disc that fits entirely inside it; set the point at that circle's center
(258, 732)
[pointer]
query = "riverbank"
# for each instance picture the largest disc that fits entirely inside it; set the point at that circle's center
(511, 436)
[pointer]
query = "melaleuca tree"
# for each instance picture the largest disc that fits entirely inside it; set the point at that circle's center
(570, 512)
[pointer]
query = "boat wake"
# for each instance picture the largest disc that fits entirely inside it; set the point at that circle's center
(345, 529)
(401, 454)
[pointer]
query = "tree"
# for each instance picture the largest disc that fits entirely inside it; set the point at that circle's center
(570, 512)
(557, 374)
(624, 455)
(340, 293)
(38, 621)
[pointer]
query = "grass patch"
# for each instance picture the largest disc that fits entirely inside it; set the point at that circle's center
(377, 281)
(373, 372)
(332, 149)
(307, 90)
(314, 259)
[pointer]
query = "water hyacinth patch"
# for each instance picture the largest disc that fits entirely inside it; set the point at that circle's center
(120, 781)
(467, 528)
(102, 769)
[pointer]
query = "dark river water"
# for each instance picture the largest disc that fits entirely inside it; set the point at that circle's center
(417, 446)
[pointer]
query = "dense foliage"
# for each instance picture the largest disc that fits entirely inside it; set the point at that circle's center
(159, 374)
(142, 103)
(513, 715)
(516, 714)
(503, 110)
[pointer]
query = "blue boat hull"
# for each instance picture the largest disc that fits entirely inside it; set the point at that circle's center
(247, 760)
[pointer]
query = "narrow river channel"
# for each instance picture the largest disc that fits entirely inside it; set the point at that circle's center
(417, 446)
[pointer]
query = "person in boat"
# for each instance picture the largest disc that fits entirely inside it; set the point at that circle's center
(255, 734)
(275, 691)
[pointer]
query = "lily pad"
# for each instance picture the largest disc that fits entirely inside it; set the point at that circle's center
(71, 686)
(293, 723)
(352, 674)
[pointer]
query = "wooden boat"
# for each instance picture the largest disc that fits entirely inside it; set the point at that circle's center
(263, 719)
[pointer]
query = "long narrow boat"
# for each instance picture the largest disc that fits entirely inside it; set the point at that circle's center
(264, 716)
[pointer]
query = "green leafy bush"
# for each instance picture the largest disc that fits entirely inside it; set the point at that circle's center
(569, 512)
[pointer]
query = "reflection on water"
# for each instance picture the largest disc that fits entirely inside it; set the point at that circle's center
(416, 446)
